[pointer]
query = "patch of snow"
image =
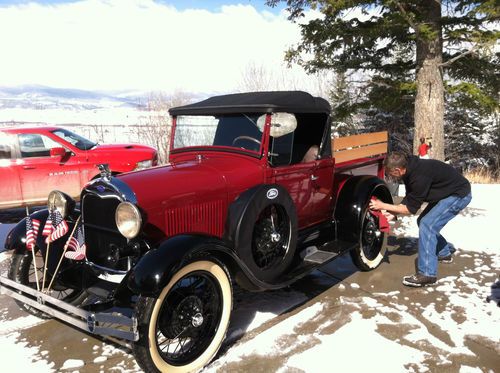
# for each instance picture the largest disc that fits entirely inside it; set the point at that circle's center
(4, 256)
(72, 364)
(357, 335)
(21, 357)
(419, 332)
(468, 369)
(270, 304)
(267, 343)
(24, 322)
(482, 318)
(100, 359)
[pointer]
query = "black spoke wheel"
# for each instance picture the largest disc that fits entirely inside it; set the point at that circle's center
(372, 243)
(184, 327)
(271, 237)
(22, 271)
(371, 237)
(264, 230)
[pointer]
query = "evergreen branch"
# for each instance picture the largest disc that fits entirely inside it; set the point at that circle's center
(407, 16)
(461, 55)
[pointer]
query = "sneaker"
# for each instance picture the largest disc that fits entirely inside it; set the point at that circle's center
(446, 259)
(419, 280)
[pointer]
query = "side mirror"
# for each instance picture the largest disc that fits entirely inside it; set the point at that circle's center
(57, 152)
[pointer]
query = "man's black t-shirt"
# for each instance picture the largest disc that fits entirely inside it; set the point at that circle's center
(430, 180)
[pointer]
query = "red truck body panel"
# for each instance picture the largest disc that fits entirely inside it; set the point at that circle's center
(191, 194)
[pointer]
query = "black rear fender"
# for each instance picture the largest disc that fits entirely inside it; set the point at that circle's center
(353, 200)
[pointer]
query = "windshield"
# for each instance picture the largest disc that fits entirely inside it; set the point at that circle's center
(76, 140)
(236, 130)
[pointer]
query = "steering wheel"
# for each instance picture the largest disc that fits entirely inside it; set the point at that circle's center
(250, 138)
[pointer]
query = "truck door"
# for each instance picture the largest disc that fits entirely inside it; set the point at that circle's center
(294, 162)
(322, 182)
(40, 173)
(310, 186)
(81, 154)
(294, 176)
(296, 179)
(10, 186)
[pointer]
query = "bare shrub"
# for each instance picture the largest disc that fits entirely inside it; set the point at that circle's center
(156, 127)
(481, 175)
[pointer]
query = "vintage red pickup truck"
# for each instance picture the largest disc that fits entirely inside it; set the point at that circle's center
(256, 193)
(36, 160)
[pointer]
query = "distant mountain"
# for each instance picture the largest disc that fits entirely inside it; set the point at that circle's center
(41, 97)
(67, 106)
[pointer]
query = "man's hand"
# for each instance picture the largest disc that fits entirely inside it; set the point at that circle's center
(389, 207)
(376, 204)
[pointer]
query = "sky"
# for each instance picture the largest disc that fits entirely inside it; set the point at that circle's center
(113, 45)
(179, 4)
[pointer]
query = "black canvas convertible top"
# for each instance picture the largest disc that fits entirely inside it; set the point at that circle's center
(256, 102)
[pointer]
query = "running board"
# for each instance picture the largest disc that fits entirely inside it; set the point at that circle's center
(102, 323)
(313, 255)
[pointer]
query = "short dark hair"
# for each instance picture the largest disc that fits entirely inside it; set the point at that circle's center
(396, 160)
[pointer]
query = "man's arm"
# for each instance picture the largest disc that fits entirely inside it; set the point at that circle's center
(395, 209)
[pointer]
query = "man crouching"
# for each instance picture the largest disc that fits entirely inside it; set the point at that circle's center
(447, 193)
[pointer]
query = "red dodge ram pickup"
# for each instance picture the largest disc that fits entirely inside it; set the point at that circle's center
(34, 161)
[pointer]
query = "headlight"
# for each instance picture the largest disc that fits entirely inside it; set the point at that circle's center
(144, 164)
(128, 219)
(61, 202)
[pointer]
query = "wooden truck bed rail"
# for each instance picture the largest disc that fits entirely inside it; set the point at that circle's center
(353, 147)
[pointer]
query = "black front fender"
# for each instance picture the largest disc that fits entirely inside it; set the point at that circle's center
(155, 269)
(352, 202)
(16, 239)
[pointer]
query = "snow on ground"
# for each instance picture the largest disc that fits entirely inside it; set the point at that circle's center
(18, 356)
(380, 332)
(13, 347)
(115, 116)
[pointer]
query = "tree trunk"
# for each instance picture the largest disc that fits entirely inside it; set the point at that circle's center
(429, 102)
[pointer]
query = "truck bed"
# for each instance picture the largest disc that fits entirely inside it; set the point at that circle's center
(360, 154)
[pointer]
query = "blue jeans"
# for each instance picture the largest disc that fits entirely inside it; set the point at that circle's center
(431, 244)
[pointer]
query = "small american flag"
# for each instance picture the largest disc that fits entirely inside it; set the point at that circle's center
(77, 243)
(32, 226)
(47, 228)
(55, 227)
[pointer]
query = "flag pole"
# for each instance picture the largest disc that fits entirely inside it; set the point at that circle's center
(64, 252)
(46, 254)
(34, 257)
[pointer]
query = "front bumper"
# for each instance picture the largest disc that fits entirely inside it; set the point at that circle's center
(102, 323)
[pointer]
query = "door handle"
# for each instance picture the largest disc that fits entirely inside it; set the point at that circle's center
(314, 177)
(29, 167)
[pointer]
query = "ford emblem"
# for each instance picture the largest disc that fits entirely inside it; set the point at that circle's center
(100, 188)
(272, 193)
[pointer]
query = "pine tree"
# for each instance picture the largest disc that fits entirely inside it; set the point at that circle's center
(433, 40)
(342, 106)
